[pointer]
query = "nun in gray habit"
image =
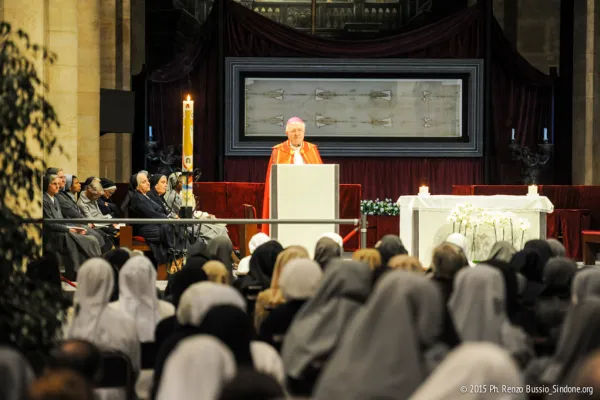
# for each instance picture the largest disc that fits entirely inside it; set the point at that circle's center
(321, 322)
(478, 309)
(578, 339)
(382, 354)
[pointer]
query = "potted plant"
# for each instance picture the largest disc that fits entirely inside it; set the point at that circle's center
(30, 312)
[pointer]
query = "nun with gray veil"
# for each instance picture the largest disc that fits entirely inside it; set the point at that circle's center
(578, 339)
(15, 375)
(319, 325)
(384, 352)
(93, 320)
(478, 308)
(478, 367)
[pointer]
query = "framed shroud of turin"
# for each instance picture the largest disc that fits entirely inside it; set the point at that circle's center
(366, 108)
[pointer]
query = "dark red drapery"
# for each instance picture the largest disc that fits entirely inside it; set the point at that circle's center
(520, 97)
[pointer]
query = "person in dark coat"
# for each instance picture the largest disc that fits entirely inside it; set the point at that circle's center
(160, 237)
(71, 241)
(106, 206)
(69, 209)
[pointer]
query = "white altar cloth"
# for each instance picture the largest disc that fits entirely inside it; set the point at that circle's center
(424, 222)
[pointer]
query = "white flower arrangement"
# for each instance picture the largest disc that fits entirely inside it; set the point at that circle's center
(470, 217)
(524, 225)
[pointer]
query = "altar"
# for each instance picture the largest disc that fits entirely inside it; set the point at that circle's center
(426, 221)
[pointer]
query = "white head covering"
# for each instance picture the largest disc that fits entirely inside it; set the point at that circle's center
(257, 240)
(335, 237)
(95, 283)
(460, 240)
(267, 360)
(479, 365)
(478, 308)
(15, 375)
(197, 369)
(382, 352)
(585, 284)
(319, 325)
(300, 279)
(199, 298)
(137, 295)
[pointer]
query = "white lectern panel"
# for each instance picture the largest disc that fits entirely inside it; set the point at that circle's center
(304, 192)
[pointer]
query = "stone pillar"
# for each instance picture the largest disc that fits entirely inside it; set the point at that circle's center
(31, 17)
(62, 82)
(586, 93)
(88, 98)
(115, 50)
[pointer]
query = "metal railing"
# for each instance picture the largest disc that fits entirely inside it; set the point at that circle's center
(362, 222)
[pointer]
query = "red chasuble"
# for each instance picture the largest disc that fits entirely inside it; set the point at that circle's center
(284, 154)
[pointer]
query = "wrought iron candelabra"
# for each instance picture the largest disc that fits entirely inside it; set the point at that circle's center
(533, 162)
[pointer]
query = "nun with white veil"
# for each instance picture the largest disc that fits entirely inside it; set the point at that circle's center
(478, 367)
(461, 241)
(195, 303)
(94, 320)
(198, 369)
(244, 265)
(478, 308)
(138, 299)
(383, 352)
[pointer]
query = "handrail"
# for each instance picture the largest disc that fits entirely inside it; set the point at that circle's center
(362, 222)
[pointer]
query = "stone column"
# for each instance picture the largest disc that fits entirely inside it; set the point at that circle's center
(115, 49)
(31, 17)
(62, 82)
(586, 93)
(88, 98)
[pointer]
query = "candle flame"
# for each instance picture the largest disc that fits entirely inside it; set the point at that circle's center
(188, 98)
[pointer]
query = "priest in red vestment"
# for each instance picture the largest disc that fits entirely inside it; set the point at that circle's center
(293, 151)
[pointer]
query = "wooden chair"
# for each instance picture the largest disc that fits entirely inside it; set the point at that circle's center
(126, 239)
(117, 372)
(591, 245)
(247, 231)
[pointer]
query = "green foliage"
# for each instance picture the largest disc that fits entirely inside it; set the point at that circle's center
(31, 313)
(26, 120)
(379, 207)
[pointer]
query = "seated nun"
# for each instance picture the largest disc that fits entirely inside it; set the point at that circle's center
(71, 241)
(298, 282)
(244, 265)
(174, 202)
(93, 320)
(138, 299)
(161, 238)
(106, 206)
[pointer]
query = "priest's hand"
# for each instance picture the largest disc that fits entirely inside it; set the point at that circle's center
(81, 231)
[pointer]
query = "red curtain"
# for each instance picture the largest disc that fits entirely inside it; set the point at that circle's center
(379, 177)
(520, 97)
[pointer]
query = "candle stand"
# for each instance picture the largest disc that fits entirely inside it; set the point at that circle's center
(533, 162)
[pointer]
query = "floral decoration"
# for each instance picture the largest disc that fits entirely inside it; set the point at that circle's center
(379, 207)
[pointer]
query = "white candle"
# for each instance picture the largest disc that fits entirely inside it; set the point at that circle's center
(532, 190)
(545, 134)
(513, 134)
(424, 190)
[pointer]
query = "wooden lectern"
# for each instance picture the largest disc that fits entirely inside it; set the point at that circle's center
(304, 192)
